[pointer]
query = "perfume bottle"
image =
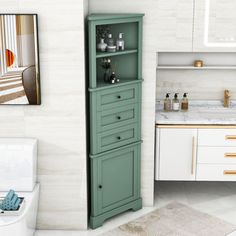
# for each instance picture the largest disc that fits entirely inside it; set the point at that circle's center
(120, 43)
(102, 46)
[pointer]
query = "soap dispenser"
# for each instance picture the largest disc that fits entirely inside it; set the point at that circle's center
(120, 43)
(175, 103)
(184, 102)
(167, 103)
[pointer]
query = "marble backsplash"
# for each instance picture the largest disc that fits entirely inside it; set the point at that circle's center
(199, 84)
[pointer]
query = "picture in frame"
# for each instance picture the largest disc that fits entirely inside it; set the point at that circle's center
(19, 60)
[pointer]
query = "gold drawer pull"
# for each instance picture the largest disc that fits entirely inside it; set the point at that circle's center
(229, 172)
(230, 137)
(193, 155)
(230, 155)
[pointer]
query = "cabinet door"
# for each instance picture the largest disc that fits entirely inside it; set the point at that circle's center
(174, 25)
(177, 154)
(115, 179)
(215, 26)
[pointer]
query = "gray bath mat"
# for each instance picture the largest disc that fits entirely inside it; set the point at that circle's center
(174, 219)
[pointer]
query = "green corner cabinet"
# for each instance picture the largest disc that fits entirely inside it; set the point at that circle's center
(115, 118)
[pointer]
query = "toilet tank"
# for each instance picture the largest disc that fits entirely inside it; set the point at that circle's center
(18, 162)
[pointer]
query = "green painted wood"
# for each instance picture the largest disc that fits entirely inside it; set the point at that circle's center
(116, 177)
(98, 16)
(119, 116)
(117, 96)
(101, 85)
(140, 43)
(115, 119)
(116, 138)
(126, 67)
(92, 54)
(98, 155)
(97, 221)
(113, 54)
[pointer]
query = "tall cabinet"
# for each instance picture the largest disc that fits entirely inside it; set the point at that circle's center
(115, 117)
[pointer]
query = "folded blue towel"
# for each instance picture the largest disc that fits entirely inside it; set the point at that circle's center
(11, 202)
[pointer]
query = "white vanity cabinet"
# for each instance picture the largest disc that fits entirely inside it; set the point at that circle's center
(195, 153)
(176, 152)
(214, 26)
(174, 25)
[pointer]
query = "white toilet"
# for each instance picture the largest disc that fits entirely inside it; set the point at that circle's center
(18, 162)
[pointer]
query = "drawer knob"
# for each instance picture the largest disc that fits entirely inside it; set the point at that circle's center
(119, 97)
(100, 186)
(119, 138)
(118, 117)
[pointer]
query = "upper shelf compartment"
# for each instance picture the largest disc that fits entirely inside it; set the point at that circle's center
(125, 65)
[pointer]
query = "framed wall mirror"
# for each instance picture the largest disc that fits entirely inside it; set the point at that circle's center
(220, 23)
(19, 60)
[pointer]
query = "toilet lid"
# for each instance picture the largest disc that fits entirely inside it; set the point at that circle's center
(28, 196)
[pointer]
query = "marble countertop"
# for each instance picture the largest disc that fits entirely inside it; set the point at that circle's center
(199, 113)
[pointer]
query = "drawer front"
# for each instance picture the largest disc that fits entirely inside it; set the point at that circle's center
(217, 155)
(216, 172)
(118, 96)
(113, 118)
(217, 137)
(117, 138)
(117, 178)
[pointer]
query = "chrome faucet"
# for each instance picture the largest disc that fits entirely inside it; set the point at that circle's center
(226, 98)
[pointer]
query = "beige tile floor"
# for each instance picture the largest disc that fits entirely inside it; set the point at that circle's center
(218, 199)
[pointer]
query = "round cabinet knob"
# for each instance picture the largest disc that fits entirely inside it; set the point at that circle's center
(119, 138)
(119, 97)
(118, 117)
(100, 186)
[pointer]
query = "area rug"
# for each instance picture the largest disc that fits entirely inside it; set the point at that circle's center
(174, 219)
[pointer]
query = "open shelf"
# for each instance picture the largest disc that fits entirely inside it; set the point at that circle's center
(112, 54)
(196, 68)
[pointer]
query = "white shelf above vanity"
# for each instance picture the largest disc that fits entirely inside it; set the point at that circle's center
(181, 67)
(185, 60)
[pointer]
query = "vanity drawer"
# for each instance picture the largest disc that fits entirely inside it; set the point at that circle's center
(217, 155)
(117, 138)
(113, 118)
(118, 96)
(217, 137)
(216, 172)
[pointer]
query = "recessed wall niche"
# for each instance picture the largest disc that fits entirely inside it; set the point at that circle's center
(19, 62)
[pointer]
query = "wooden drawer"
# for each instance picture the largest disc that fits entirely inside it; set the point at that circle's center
(217, 137)
(113, 118)
(116, 138)
(216, 172)
(217, 155)
(118, 96)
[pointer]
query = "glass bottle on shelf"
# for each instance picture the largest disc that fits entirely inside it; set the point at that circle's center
(120, 43)
(106, 65)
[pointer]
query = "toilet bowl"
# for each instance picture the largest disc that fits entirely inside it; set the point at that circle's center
(18, 162)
